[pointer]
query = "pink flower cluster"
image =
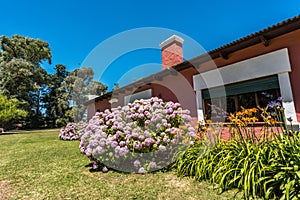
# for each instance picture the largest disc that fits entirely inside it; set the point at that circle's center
(140, 137)
(73, 131)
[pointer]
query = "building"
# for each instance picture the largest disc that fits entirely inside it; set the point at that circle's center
(248, 72)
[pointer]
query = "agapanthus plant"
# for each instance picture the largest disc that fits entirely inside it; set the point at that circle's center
(140, 137)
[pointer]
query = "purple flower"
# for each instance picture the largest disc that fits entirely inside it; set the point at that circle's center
(152, 165)
(98, 150)
(117, 149)
(118, 134)
(137, 145)
(148, 142)
(165, 124)
(136, 163)
(141, 138)
(162, 148)
(113, 134)
(128, 136)
(114, 127)
(147, 114)
(88, 152)
(70, 132)
(158, 141)
(141, 170)
(147, 134)
(176, 105)
(166, 140)
(102, 142)
(135, 135)
(280, 99)
(95, 165)
(123, 151)
(274, 104)
(122, 144)
(114, 144)
(104, 169)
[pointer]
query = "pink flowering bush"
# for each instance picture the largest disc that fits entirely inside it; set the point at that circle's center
(80, 126)
(141, 137)
(73, 131)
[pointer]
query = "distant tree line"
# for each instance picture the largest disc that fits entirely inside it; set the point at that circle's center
(32, 98)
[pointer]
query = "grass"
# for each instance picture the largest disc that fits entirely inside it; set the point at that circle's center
(36, 165)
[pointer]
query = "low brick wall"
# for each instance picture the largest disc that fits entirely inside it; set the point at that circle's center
(227, 130)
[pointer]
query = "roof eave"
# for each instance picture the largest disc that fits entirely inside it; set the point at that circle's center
(223, 51)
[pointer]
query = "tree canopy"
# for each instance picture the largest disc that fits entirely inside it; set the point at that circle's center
(22, 76)
(80, 84)
(56, 100)
(28, 49)
(48, 99)
(9, 111)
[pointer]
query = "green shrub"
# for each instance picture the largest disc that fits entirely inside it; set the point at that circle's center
(259, 166)
(268, 170)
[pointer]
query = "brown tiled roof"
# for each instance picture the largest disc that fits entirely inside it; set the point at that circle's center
(264, 35)
(269, 33)
(224, 51)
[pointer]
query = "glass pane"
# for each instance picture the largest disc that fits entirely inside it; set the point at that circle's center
(266, 96)
(247, 100)
(207, 103)
(214, 108)
(231, 104)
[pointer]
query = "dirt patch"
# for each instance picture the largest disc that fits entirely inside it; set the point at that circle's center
(6, 191)
(173, 182)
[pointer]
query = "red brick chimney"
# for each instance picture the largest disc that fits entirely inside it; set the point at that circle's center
(171, 50)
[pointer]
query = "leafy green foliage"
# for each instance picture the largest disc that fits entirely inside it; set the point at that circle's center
(261, 165)
(9, 110)
(269, 170)
(32, 50)
(50, 100)
(21, 75)
(56, 100)
(80, 85)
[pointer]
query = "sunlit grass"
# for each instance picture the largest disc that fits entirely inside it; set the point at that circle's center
(36, 165)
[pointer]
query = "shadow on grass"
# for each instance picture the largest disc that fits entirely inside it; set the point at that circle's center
(27, 131)
(99, 169)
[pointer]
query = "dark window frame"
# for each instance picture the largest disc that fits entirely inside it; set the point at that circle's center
(253, 89)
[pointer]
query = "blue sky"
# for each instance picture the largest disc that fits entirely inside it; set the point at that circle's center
(75, 28)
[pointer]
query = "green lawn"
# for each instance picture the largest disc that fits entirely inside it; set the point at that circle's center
(36, 165)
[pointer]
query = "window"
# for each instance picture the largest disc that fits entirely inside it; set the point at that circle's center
(246, 94)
